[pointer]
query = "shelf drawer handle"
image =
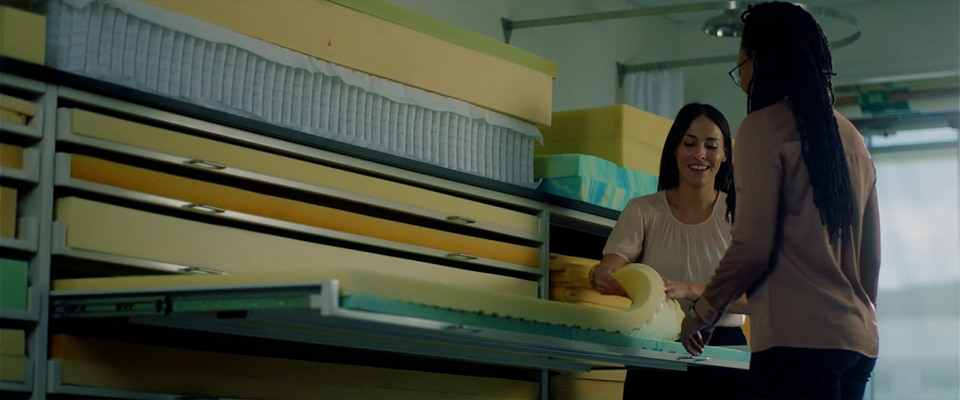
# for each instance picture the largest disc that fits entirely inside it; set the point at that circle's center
(204, 208)
(198, 270)
(461, 220)
(205, 164)
(461, 256)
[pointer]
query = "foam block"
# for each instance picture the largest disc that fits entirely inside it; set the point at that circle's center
(18, 105)
(8, 212)
(384, 48)
(234, 199)
(110, 229)
(627, 136)
(12, 342)
(13, 368)
(192, 147)
(13, 285)
(11, 156)
(592, 179)
(22, 35)
(118, 365)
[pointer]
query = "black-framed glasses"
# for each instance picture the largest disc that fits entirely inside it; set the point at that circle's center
(735, 72)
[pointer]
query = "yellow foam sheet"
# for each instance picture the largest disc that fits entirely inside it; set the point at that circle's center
(192, 147)
(616, 121)
(111, 229)
(625, 152)
(22, 35)
(13, 368)
(17, 105)
(8, 212)
(11, 156)
(12, 342)
(103, 363)
(231, 198)
(379, 47)
(12, 116)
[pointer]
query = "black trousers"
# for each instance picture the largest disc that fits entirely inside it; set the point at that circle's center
(697, 382)
(793, 373)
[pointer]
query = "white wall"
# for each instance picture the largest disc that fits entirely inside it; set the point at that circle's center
(899, 38)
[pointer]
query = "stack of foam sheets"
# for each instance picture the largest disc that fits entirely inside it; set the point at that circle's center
(592, 180)
(363, 72)
(627, 136)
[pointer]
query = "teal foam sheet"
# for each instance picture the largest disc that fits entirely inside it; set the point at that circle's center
(393, 307)
(592, 179)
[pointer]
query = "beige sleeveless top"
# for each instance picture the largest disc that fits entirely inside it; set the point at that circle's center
(647, 232)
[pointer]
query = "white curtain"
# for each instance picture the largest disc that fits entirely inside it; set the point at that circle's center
(918, 306)
(657, 92)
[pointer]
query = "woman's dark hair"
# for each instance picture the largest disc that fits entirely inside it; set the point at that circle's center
(670, 172)
(791, 60)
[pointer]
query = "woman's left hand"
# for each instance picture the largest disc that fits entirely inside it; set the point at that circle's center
(679, 290)
(694, 335)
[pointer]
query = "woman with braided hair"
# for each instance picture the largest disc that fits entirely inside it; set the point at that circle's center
(806, 236)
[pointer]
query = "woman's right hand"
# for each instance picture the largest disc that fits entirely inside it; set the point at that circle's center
(601, 279)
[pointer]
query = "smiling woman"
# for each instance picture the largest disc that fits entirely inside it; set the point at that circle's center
(682, 231)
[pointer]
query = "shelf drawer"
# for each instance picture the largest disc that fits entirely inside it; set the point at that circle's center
(8, 212)
(205, 194)
(102, 363)
(109, 229)
(215, 155)
(13, 285)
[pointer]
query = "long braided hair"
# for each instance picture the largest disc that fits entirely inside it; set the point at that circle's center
(791, 60)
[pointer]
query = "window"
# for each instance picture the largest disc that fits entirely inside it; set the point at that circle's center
(919, 301)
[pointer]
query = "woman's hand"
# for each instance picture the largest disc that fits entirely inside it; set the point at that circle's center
(601, 279)
(681, 290)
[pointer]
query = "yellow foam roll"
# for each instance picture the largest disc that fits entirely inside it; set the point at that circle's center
(22, 35)
(11, 156)
(563, 388)
(192, 147)
(613, 375)
(118, 365)
(588, 295)
(12, 342)
(234, 199)
(110, 229)
(8, 212)
(379, 47)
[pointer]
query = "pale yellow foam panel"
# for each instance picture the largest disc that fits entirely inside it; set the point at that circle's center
(642, 282)
(106, 228)
(234, 199)
(12, 342)
(192, 147)
(18, 106)
(379, 47)
(8, 212)
(22, 35)
(118, 365)
(13, 368)
(11, 156)
(630, 137)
